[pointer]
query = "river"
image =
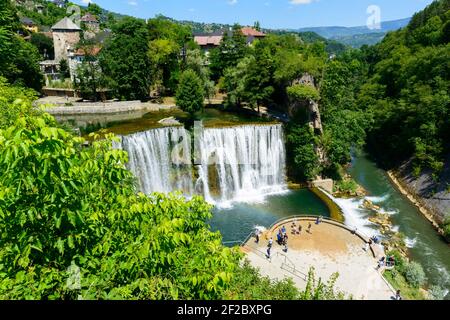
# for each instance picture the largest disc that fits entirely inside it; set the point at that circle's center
(425, 245)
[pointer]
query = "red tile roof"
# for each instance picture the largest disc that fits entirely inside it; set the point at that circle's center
(95, 51)
(247, 31)
(89, 18)
(208, 40)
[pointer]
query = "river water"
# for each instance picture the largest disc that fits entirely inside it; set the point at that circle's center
(424, 243)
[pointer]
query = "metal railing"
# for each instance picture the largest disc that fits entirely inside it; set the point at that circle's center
(289, 265)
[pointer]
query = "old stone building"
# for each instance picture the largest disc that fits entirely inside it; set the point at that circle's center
(66, 35)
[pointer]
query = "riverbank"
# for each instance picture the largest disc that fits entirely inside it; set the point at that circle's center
(62, 108)
(430, 216)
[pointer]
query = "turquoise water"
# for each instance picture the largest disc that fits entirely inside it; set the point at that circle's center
(238, 222)
(425, 245)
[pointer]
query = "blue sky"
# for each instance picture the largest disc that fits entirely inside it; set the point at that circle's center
(270, 13)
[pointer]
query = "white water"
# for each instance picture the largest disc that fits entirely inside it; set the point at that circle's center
(410, 242)
(356, 216)
(160, 159)
(236, 164)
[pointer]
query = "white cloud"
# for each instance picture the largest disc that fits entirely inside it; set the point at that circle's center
(86, 1)
(132, 3)
(232, 2)
(298, 2)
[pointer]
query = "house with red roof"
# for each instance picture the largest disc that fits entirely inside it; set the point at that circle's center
(90, 22)
(208, 41)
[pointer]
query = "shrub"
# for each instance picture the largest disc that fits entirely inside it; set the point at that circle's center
(446, 227)
(415, 275)
(436, 293)
(399, 261)
(190, 93)
(303, 92)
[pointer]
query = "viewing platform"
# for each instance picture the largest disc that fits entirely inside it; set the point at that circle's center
(328, 247)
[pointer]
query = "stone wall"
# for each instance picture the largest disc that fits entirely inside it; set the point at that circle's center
(430, 194)
(105, 108)
(61, 41)
(325, 184)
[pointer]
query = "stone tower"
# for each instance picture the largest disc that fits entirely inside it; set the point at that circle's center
(66, 35)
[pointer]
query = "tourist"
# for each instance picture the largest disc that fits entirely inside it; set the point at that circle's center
(398, 296)
(319, 220)
(283, 230)
(309, 227)
(279, 237)
(285, 241)
(390, 262)
(381, 263)
(269, 247)
(257, 236)
(299, 229)
(367, 247)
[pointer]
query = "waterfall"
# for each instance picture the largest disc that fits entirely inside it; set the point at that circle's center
(160, 159)
(243, 163)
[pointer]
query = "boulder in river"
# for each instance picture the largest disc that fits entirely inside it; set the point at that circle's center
(171, 121)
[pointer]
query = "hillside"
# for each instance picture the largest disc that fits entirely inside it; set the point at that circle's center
(408, 99)
(358, 36)
(334, 32)
(359, 40)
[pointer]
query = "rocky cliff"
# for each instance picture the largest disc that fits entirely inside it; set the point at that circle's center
(433, 195)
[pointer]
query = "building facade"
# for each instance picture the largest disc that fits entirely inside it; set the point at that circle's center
(66, 35)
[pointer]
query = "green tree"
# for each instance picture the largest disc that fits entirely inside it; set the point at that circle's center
(407, 93)
(19, 60)
(94, 9)
(301, 148)
(89, 77)
(196, 61)
(44, 45)
(64, 69)
(259, 79)
(190, 93)
(235, 82)
(124, 60)
(415, 275)
(303, 92)
(231, 50)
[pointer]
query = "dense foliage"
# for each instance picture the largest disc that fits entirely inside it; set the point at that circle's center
(44, 45)
(124, 60)
(166, 41)
(232, 48)
(407, 92)
(73, 225)
(19, 60)
(190, 93)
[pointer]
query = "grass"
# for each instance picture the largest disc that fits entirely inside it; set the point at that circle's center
(346, 186)
(399, 282)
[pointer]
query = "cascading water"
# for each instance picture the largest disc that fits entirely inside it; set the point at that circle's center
(160, 159)
(241, 164)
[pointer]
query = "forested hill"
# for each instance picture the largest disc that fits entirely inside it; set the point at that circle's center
(407, 92)
(337, 32)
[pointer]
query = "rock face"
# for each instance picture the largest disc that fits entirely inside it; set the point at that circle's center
(431, 195)
(312, 114)
(312, 106)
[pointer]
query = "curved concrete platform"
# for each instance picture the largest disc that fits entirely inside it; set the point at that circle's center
(329, 247)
